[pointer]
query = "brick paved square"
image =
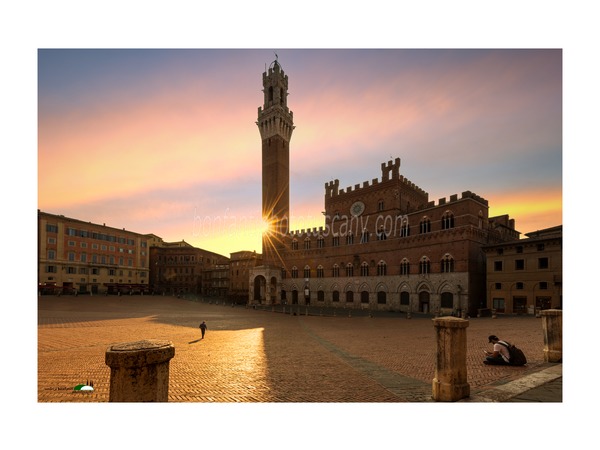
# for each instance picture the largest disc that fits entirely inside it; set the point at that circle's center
(263, 356)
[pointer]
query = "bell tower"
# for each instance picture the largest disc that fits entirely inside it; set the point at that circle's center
(276, 124)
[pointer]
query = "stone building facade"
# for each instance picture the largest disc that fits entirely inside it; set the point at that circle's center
(384, 245)
(75, 256)
(525, 275)
(179, 268)
(81, 257)
(240, 265)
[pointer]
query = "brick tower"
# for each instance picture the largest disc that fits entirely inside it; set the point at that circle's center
(276, 124)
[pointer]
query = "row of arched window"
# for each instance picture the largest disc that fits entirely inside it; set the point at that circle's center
(364, 270)
(381, 235)
(446, 298)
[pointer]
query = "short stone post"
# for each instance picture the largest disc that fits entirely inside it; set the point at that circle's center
(450, 382)
(552, 326)
(139, 371)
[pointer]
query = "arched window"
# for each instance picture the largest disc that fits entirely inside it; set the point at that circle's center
(349, 296)
(349, 270)
(335, 272)
(320, 242)
(307, 243)
(425, 225)
(320, 272)
(295, 244)
(306, 272)
(364, 270)
(270, 93)
(364, 237)
(381, 269)
(294, 272)
(404, 228)
(447, 264)
(350, 238)
(335, 296)
(404, 267)
(381, 298)
(381, 234)
(447, 220)
(321, 296)
(283, 273)
(364, 297)
(424, 265)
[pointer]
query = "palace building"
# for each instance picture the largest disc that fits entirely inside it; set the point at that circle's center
(525, 275)
(75, 256)
(384, 244)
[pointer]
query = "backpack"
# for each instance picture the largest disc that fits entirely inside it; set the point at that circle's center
(517, 357)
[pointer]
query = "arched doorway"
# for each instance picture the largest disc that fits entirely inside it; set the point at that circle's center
(260, 284)
(424, 301)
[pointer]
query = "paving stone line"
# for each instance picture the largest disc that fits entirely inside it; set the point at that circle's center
(406, 388)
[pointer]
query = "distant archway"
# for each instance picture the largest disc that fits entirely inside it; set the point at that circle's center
(260, 284)
(424, 301)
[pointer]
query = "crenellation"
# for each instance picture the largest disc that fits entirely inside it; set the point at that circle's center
(385, 231)
(469, 194)
(332, 188)
(390, 167)
(303, 233)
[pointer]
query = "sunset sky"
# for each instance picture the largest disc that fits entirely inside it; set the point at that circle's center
(165, 141)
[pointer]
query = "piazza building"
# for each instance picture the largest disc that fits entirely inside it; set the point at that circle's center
(383, 245)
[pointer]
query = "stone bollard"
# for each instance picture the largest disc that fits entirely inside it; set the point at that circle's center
(139, 371)
(450, 382)
(493, 313)
(408, 315)
(552, 326)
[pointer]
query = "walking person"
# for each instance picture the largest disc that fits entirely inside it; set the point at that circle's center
(500, 355)
(203, 328)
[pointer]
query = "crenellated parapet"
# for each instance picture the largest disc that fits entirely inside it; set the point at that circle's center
(275, 122)
(274, 117)
(469, 194)
(390, 168)
(454, 198)
(389, 171)
(308, 232)
(331, 188)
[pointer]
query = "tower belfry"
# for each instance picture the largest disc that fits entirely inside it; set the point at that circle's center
(276, 124)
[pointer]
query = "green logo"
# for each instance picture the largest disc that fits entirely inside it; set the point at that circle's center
(87, 387)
